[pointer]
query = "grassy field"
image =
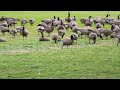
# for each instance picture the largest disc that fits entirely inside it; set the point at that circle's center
(31, 59)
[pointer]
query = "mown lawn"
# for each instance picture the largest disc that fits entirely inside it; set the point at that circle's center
(31, 59)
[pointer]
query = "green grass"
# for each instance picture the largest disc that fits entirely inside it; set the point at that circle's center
(31, 59)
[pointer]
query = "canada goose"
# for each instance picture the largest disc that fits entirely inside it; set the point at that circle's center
(60, 26)
(23, 22)
(13, 32)
(31, 21)
(47, 21)
(61, 33)
(75, 36)
(11, 22)
(40, 29)
(92, 36)
(68, 41)
(54, 37)
(44, 38)
(24, 32)
(4, 29)
(49, 29)
(2, 40)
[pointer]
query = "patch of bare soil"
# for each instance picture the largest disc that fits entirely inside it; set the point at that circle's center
(18, 51)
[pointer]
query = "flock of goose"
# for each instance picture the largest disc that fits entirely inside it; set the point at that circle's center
(61, 25)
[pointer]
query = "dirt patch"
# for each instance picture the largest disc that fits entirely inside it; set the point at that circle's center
(54, 48)
(18, 51)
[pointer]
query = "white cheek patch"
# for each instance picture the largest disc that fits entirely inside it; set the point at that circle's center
(91, 20)
(66, 25)
(62, 43)
(40, 27)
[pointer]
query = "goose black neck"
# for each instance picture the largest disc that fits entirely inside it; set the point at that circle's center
(112, 27)
(72, 37)
(23, 28)
(107, 15)
(42, 34)
(68, 15)
(89, 16)
(58, 18)
(61, 22)
(54, 17)
(52, 24)
(118, 17)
